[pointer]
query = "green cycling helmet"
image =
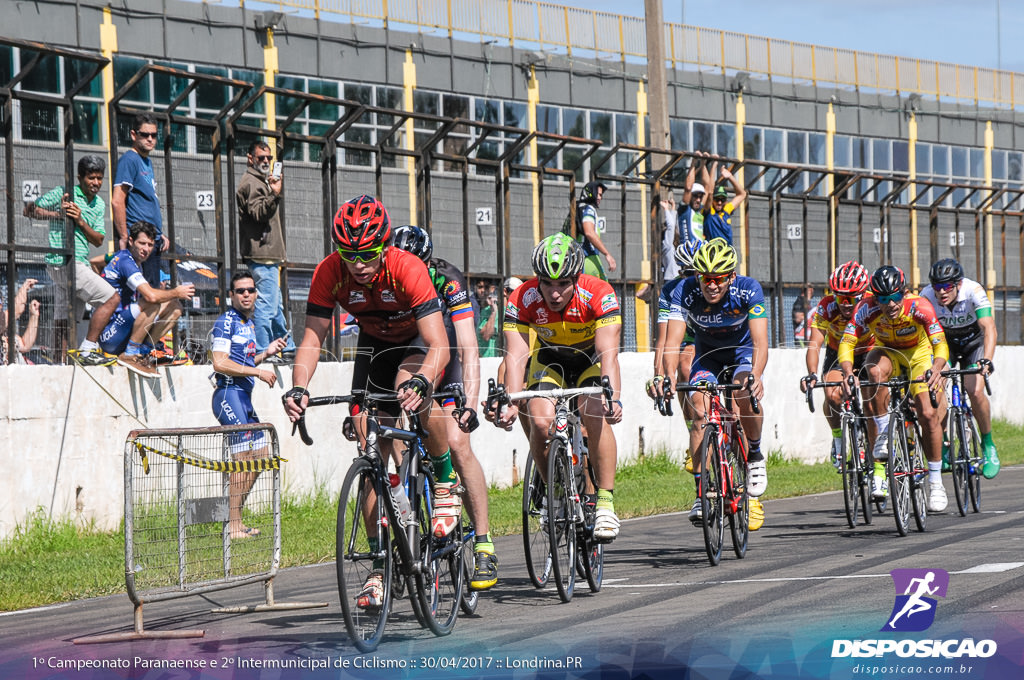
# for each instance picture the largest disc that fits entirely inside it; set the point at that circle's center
(558, 257)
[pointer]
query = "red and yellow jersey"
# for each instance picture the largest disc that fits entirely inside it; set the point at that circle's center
(594, 305)
(828, 319)
(914, 331)
(388, 307)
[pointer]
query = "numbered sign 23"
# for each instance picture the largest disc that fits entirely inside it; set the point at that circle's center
(204, 200)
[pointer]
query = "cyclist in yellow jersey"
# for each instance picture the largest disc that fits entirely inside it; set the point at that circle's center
(578, 327)
(908, 337)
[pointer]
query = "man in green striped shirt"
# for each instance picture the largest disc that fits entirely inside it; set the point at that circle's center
(86, 211)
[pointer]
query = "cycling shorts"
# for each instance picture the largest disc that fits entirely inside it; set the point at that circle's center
(719, 365)
(548, 372)
(967, 356)
(914, 362)
(233, 406)
(832, 361)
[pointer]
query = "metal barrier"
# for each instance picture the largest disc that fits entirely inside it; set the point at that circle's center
(183, 489)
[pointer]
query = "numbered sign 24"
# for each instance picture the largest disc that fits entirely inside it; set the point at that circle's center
(30, 190)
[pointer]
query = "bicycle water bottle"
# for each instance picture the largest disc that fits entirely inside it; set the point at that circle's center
(399, 500)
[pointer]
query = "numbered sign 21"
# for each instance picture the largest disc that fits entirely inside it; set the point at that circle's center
(484, 217)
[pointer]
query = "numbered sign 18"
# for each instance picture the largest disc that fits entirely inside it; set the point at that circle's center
(794, 231)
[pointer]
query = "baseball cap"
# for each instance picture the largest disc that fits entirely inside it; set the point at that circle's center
(721, 191)
(697, 188)
(513, 282)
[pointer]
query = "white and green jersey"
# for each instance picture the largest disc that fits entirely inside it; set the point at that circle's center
(960, 320)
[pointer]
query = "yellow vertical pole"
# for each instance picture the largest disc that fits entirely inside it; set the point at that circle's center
(269, 75)
(108, 45)
(990, 263)
(532, 99)
(830, 184)
(641, 315)
(409, 84)
(915, 265)
(741, 120)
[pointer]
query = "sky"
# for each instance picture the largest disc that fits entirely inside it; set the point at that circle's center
(960, 31)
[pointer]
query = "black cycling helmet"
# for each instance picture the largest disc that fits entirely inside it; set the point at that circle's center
(589, 192)
(414, 240)
(888, 280)
(946, 270)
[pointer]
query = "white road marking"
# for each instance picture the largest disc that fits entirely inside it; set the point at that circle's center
(993, 568)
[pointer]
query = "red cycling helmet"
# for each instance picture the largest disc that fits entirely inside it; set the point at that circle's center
(849, 278)
(361, 223)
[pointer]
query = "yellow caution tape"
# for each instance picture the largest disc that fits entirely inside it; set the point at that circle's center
(258, 465)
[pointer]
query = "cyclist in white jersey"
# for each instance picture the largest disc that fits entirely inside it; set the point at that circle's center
(965, 312)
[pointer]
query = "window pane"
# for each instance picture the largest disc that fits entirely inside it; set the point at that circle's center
(425, 102)
(601, 127)
(42, 78)
(361, 135)
(978, 164)
(625, 129)
(841, 153)
(487, 111)
(859, 157)
(796, 143)
(40, 122)
(924, 159)
(515, 114)
(816, 149)
(940, 160)
(388, 98)
(456, 107)
(254, 77)
(900, 156)
(323, 110)
(999, 165)
(86, 124)
(726, 140)
(679, 131)
(881, 157)
(287, 105)
(703, 137)
(74, 71)
(547, 119)
(1013, 166)
(574, 122)
(166, 87)
(6, 63)
(124, 69)
(772, 152)
(959, 161)
(211, 95)
(358, 93)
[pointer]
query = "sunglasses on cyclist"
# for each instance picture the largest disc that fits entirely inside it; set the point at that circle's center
(360, 255)
(847, 299)
(718, 280)
(886, 299)
(943, 287)
(241, 291)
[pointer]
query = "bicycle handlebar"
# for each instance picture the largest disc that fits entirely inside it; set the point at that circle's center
(838, 383)
(363, 397)
(950, 372)
(727, 387)
(498, 396)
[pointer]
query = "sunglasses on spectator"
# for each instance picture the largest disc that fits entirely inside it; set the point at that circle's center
(848, 299)
(146, 135)
(943, 287)
(263, 158)
(360, 255)
(242, 291)
(886, 299)
(718, 280)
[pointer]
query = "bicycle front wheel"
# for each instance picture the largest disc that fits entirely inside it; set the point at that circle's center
(899, 472)
(439, 583)
(470, 597)
(535, 536)
(851, 468)
(561, 520)
(974, 470)
(960, 458)
(590, 553)
(737, 500)
(711, 504)
(363, 550)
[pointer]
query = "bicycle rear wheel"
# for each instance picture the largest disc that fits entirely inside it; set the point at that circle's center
(960, 459)
(439, 583)
(561, 520)
(738, 502)
(536, 544)
(918, 480)
(974, 470)
(898, 470)
(361, 512)
(712, 506)
(590, 553)
(851, 469)
(470, 598)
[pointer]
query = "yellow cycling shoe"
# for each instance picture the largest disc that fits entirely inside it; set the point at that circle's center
(755, 514)
(688, 461)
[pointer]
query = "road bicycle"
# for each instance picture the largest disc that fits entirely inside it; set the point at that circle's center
(856, 464)
(383, 528)
(723, 481)
(557, 507)
(906, 470)
(964, 442)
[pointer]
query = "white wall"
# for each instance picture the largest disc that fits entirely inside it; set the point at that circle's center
(62, 428)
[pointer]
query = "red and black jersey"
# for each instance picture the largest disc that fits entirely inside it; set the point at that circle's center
(388, 307)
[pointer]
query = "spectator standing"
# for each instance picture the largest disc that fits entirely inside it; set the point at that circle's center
(718, 218)
(134, 198)
(588, 232)
(236, 360)
(800, 315)
(259, 198)
(146, 312)
(487, 321)
(86, 210)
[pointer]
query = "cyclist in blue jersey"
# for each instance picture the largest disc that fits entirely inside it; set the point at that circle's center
(683, 257)
(726, 316)
(233, 345)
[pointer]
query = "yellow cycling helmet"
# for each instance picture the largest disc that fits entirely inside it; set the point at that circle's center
(715, 257)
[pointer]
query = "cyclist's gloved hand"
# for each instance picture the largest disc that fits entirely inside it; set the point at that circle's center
(413, 391)
(654, 386)
(467, 418)
(294, 401)
(987, 367)
(808, 381)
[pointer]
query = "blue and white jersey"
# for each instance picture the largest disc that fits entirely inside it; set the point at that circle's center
(665, 313)
(123, 273)
(725, 324)
(236, 335)
(587, 212)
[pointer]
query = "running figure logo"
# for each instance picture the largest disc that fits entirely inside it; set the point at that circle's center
(916, 589)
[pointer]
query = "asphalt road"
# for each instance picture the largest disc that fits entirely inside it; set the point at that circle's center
(807, 581)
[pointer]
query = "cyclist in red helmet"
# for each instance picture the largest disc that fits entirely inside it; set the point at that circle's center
(402, 337)
(849, 283)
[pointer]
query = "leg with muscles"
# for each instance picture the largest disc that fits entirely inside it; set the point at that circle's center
(603, 447)
(878, 367)
(931, 419)
(974, 385)
(233, 406)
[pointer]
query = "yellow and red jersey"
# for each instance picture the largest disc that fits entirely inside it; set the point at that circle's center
(915, 331)
(828, 319)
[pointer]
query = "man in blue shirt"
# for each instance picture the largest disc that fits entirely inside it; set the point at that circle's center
(233, 345)
(146, 313)
(134, 198)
